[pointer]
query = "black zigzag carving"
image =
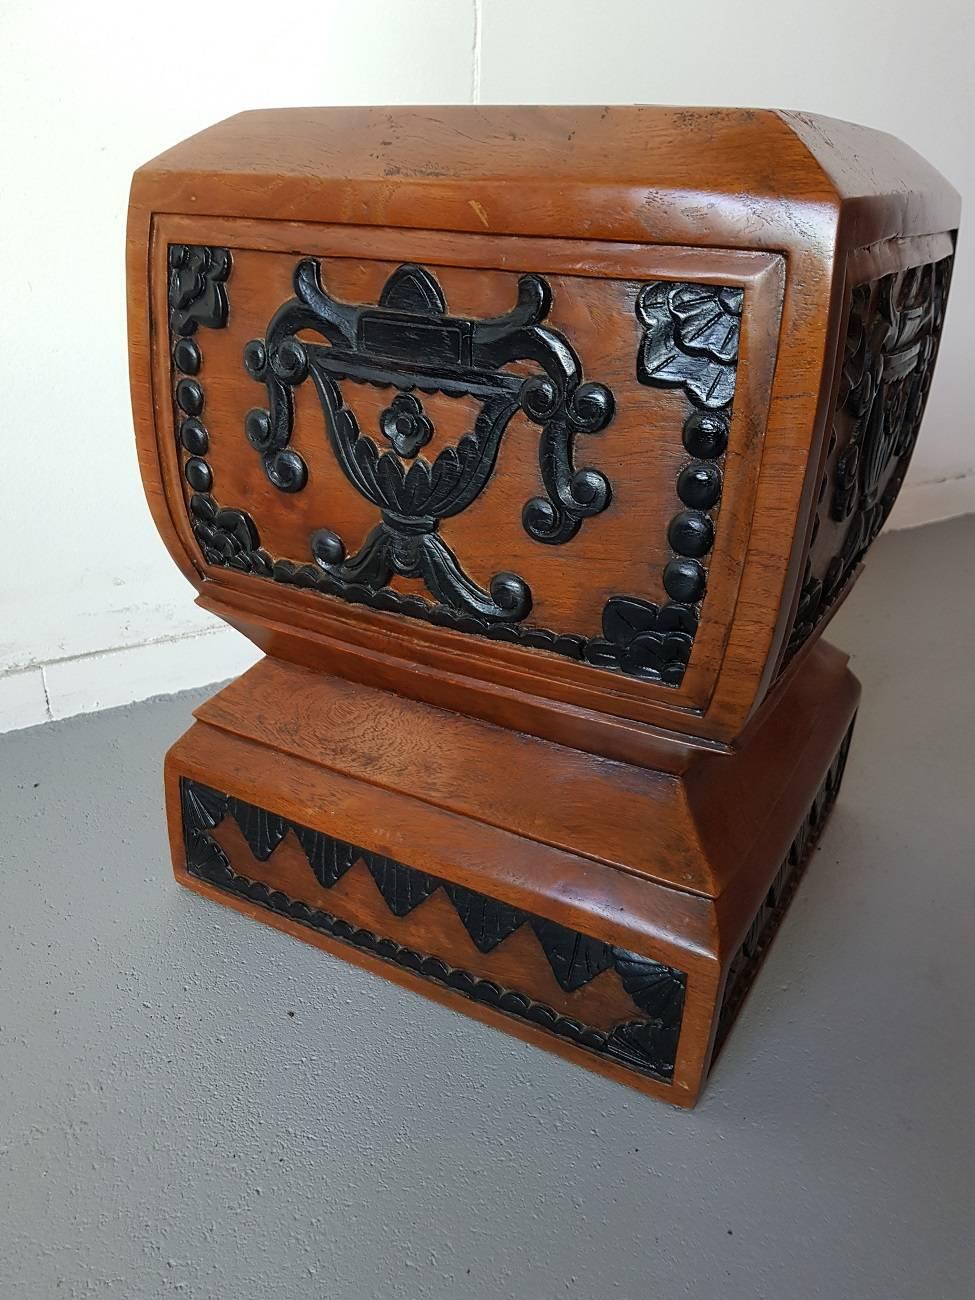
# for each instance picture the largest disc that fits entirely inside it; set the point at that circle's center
(575, 958)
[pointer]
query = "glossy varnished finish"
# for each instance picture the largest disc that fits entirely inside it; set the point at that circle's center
(535, 448)
(377, 189)
(405, 787)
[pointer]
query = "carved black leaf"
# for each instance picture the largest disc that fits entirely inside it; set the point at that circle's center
(691, 339)
(328, 858)
(486, 920)
(645, 1045)
(203, 808)
(262, 830)
(645, 640)
(228, 538)
(655, 988)
(196, 287)
(205, 858)
(403, 888)
(575, 958)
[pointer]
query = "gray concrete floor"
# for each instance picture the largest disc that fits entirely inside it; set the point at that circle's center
(194, 1104)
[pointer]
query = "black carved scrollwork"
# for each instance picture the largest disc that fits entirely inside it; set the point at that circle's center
(198, 297)
(893, 328)
(409, 342)
(657, 990)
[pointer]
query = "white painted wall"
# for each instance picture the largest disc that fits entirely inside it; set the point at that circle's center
(92, 611)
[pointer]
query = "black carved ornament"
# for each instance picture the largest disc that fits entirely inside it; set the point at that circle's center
(891, 342)
(197, 293)
(658, 990)
(410, 343)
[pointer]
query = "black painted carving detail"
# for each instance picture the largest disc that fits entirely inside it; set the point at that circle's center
(328, 858)
(575, 958)
(262, 830)
(410, 343)
(405, 425)
(401, 887)
(644, 640)
(690, 341)
(228, 537)
(488, 921)
(893, 330)
(648, 1045)
(751, 953)
(203, 808)
(197, 295)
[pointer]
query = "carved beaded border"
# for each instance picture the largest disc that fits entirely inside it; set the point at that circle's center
(197, 296)
(648, 1046)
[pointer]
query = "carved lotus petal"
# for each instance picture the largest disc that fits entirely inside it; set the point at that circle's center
(417, 487)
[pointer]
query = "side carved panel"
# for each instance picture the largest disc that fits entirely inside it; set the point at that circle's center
(892, 333)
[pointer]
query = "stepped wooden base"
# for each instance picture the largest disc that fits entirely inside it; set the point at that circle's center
(609, 912)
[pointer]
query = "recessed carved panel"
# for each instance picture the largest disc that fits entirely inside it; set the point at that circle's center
(380, 427)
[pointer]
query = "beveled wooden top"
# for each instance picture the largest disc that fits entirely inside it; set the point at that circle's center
(696, 176)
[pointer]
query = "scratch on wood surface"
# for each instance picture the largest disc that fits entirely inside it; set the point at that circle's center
(482, 216)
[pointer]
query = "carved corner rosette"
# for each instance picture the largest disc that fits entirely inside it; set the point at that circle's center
(647, 1044)
(197, 292)
(892, 333)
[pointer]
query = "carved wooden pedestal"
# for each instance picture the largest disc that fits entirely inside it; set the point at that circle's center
(536, 481)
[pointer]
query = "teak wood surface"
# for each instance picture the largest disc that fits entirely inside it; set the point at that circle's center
(662, 815)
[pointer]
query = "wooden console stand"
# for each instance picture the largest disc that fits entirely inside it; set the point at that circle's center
(537, 484)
